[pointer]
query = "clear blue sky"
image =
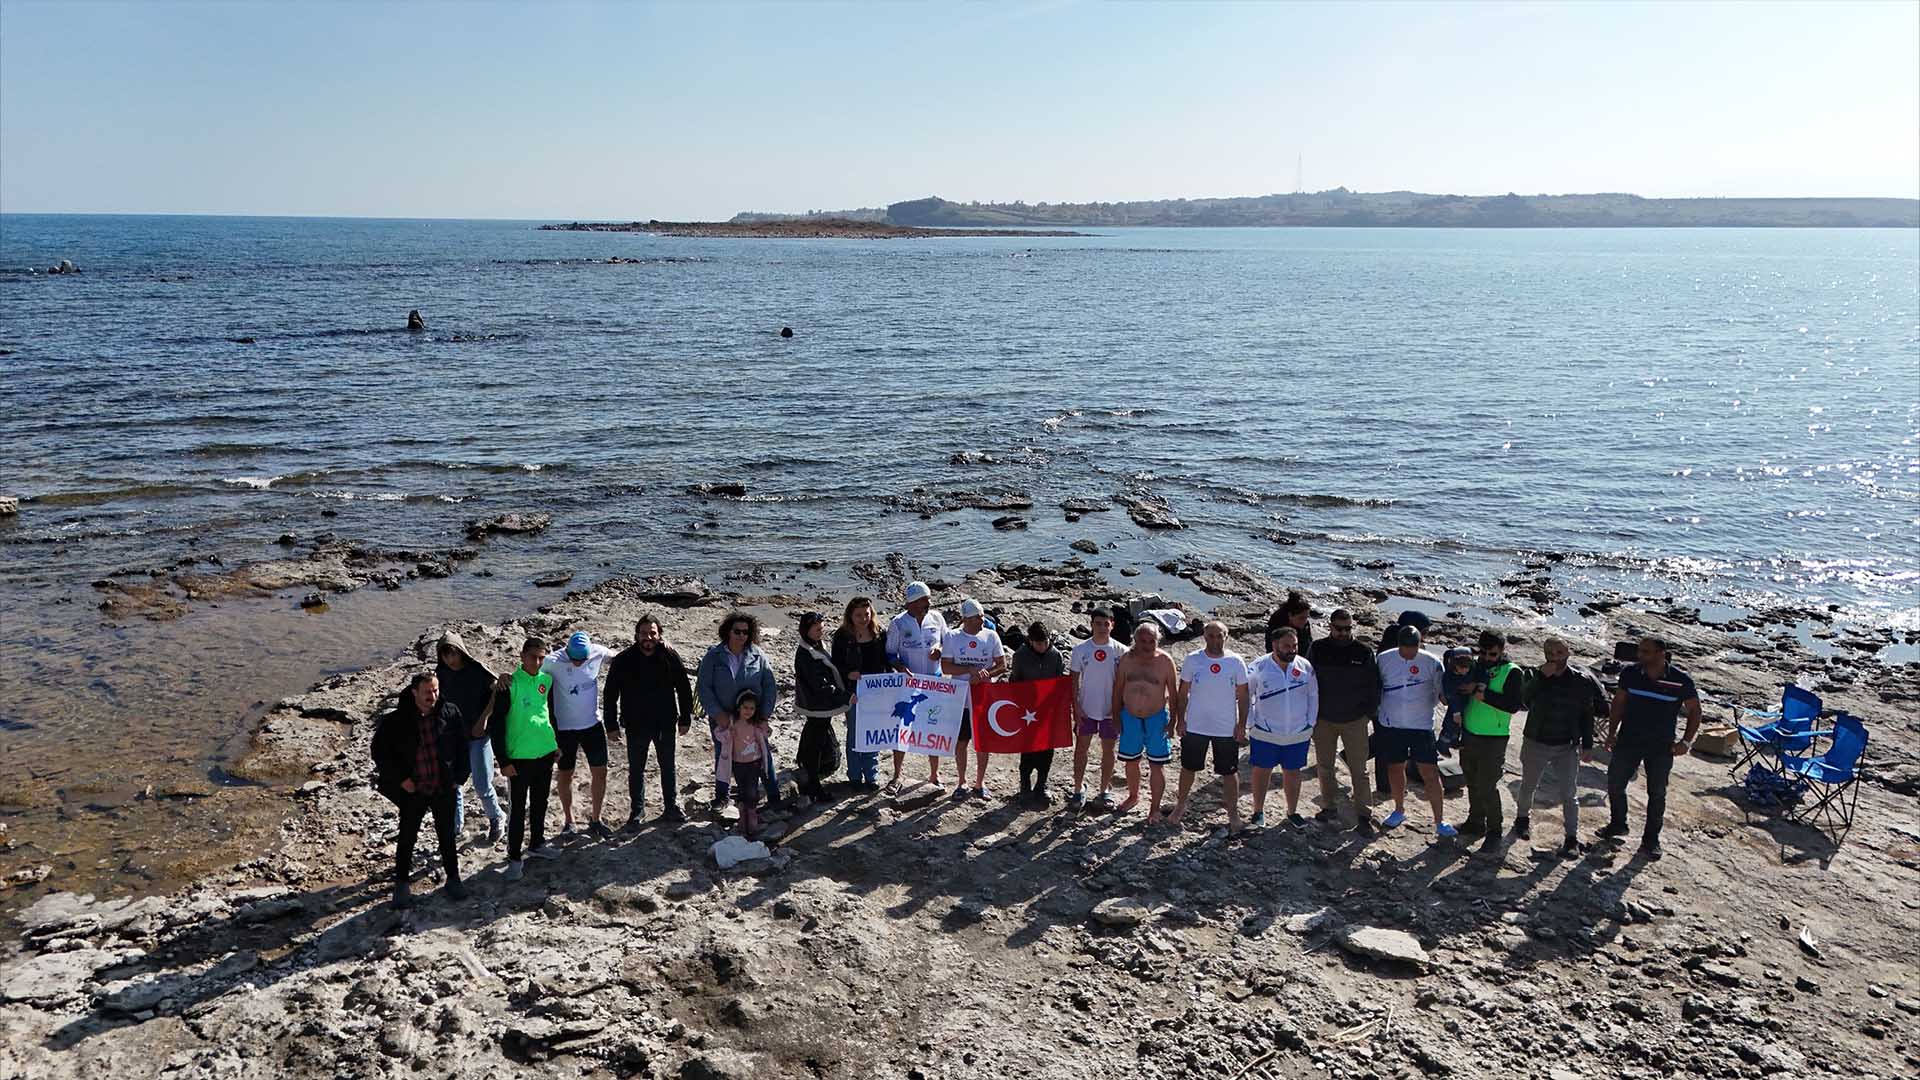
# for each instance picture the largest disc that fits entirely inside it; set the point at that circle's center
(698, 111)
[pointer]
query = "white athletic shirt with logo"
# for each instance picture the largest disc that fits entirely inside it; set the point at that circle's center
(1409, 690)
(973, 651)
(1213, 707)
(1286, 700)
(576, 689)
(1095, 664)
(910, 641)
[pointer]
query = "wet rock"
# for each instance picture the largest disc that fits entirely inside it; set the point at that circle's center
(1009, 522)
(972, 457)
(1078, 505)
(1150, 512)
(32, 875)
(1084, 546)
(242, 340)
(415, 322)
(1376, 943)
(9, 505)
(508, 524)
(724, 491)
(554, 579)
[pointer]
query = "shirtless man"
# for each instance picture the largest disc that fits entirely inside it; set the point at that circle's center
(1143, 684)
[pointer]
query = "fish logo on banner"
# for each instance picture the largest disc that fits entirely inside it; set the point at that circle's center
(919, 714)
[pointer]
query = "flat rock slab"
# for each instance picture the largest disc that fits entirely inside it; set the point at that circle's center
(54, 976)
(1379, 944)
(1122, 911)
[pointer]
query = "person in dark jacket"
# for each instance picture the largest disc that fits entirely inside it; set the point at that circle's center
(819, 696)
(648, 697)
(1039, 660)
(860, 648)
(1495, 690)
(1294, 611)
(731, 665)
(1349, 695)
(1562, 701)
(420, 758)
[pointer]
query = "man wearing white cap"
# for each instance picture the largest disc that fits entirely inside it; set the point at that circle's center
(577, 727)
(971, 653)
(913, 645)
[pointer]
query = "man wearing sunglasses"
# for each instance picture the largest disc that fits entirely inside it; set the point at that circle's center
(1349, 696)
(1495, 690)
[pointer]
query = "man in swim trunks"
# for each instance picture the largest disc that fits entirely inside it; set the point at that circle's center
(1210, 714)
(1143, 685)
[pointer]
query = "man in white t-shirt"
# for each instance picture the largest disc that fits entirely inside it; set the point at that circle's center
(1409, 692)
(1092, 665)
(913, 645)
(971, 654)
(576, 726)
(1286, 705)
(1210, 713)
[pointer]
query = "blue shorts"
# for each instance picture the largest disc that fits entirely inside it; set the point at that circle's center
(1401, 745)
(1267, 755)
(1144, 738)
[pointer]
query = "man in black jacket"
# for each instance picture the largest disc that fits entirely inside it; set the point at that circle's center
(1349, 696)
(1562, 701)
(648, 691)
(420, 761)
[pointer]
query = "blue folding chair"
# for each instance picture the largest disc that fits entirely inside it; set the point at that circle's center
(1833, 777)
(1780, 733)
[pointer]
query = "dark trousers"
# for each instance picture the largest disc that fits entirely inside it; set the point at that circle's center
(638, 737)
(1483, 761)
(1627, 760)
(527, 792)
(1034, 767)
(413, 810)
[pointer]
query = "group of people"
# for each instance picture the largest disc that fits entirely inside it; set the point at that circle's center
(1400, 704)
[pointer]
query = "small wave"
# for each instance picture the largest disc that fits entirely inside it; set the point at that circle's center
(237, 449)
(258, 483)
(1324, 501)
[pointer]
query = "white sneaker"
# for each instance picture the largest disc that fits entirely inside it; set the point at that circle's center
(515, 870)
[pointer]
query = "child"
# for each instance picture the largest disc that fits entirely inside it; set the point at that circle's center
(1454, 680)
(749, 745)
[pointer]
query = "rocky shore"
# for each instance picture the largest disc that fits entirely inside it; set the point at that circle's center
(919, 937)
(808, 229)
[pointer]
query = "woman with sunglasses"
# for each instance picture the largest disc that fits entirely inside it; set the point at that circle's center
(734, 664)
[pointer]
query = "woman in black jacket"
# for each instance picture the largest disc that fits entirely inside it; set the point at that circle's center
(860, 648)
(420, 760)
(819, 695)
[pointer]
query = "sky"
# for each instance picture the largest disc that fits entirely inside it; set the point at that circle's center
(697, 111)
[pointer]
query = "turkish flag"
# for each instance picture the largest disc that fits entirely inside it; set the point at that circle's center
(1017, 717)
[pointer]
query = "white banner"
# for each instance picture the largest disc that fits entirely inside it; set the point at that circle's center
(916, 713)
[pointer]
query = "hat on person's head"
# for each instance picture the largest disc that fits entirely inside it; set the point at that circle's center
(970, 608)
(579, 646)
(1409, 635)
(917, 590)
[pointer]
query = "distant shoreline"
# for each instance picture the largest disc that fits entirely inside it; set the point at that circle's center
(819, 229)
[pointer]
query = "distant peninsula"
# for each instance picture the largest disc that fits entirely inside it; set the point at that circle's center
(1403, 209)
(805, 227)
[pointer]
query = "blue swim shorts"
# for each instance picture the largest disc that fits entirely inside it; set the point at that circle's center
(1144, 738)
(1268, 755)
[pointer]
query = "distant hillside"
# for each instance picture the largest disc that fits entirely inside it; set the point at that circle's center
(865, 213)
(1411, 208)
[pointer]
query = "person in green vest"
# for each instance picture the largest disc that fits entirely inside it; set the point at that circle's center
(524, 743)
(1495, 690)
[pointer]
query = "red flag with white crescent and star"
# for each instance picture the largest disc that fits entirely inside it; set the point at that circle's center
(1018, 717)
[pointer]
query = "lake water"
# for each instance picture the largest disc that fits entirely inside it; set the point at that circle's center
(1723, 416)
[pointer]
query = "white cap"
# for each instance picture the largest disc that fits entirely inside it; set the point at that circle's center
(971, 608)
(917, 590)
